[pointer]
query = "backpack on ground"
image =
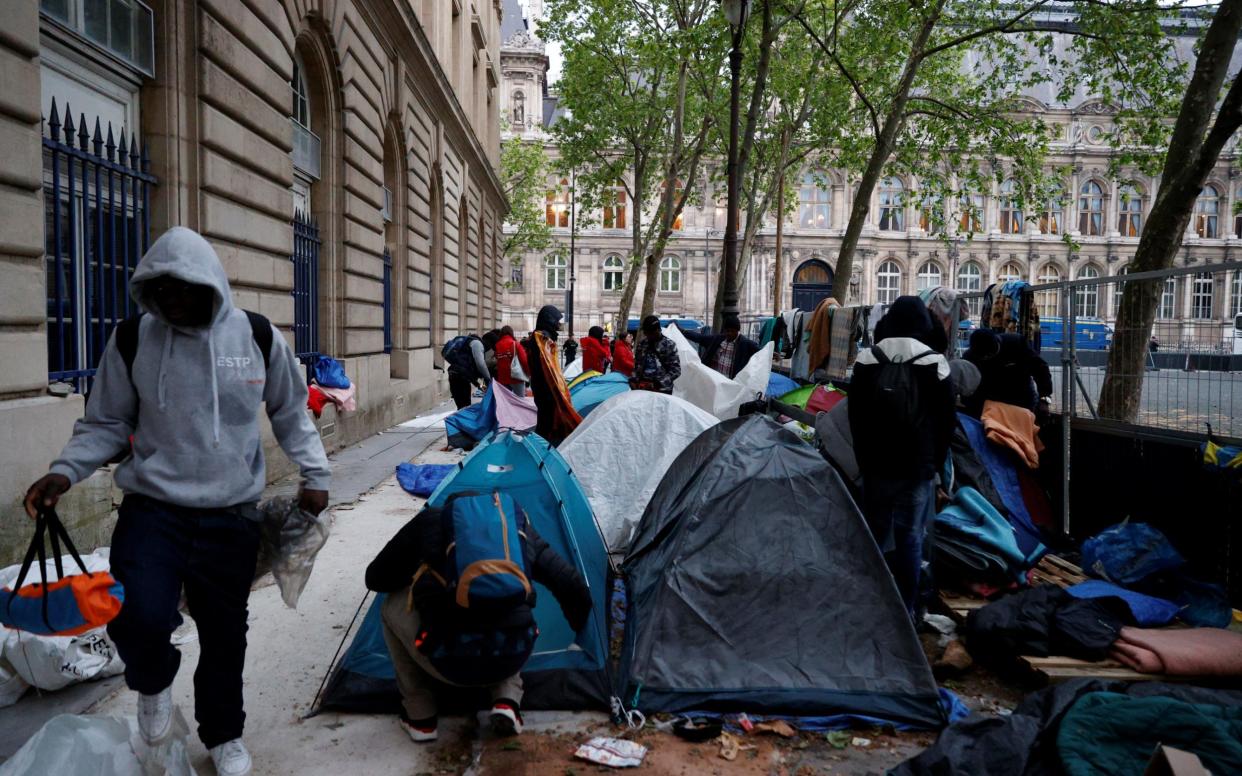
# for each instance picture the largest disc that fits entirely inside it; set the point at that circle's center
(456, 353)
(471, 588)
(898, 403)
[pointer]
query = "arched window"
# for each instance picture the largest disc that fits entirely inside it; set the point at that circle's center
(556, 272)
(929, 276)
(614, 206)
(888, 282)
(1091, 209)
(970, 281)
(1009, 272)
(1168, 299)
(1130, 207)
(971, 218)
(670, 275)
(1237, 220)
(614, 273)
(1051, 218)
(1207, 212)
(892, 209)
(1119, 287)
(301, 97)
(1235, 306)
(1010, 210)
(1087, 298)
(1201, 297)
(556, 211)
(814, 204)
(519, 107)
(1048, 302)
(931, 214)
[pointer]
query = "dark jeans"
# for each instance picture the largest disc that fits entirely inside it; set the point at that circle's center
(461, 388)
(159, 548)
(900, 512)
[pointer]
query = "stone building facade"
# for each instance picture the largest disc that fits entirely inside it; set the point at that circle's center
(899, 253)
(372, 124)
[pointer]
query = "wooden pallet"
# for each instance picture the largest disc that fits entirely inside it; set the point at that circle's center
(1058, 669)
(1052, 570)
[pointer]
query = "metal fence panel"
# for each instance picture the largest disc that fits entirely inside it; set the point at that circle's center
(305, 257)
(97, 227)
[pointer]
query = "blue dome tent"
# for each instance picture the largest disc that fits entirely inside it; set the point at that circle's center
(594, 391)
(567, 670)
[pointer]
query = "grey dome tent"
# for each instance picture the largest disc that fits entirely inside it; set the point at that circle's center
(755, 585)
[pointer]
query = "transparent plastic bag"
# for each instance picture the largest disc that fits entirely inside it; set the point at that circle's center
(290, 539)
(89, 745)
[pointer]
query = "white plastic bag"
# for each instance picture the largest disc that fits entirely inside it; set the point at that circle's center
(291, 538)
(12, 685)
(53, 662)
(88, 745)
(613, 752)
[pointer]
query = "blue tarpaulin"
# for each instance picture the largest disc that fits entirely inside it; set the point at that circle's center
(1004, 473)
(779, 385)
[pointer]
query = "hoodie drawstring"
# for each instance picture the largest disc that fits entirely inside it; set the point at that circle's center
(161, 392)
(215, 390)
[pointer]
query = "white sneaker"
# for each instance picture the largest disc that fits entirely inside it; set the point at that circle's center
(231, 758)
(155, 713)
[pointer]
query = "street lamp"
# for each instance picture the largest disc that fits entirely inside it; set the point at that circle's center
(735, 11)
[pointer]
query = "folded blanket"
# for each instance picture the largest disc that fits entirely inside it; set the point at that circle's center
(1180, 651)
(1014, 427)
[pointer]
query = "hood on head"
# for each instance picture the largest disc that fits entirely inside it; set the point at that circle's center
(984, 344)
(907, 317)
(183, 254)
(549, 316)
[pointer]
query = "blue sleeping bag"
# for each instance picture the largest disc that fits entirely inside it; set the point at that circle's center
(422, 479)
(1004, 473)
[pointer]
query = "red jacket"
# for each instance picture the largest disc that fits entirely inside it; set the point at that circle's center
(595, 355)
(505, 351)
(622, 358)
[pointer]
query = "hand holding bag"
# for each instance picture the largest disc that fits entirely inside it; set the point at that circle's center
(69, 606)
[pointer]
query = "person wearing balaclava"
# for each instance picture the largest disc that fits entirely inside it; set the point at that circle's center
(185, 413)
(557, 417)
(901, 413)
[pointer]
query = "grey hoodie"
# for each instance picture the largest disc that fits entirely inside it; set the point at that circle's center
(193, 405)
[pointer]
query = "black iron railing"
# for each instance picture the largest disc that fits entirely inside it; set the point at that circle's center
(305, 257)
(97, 195)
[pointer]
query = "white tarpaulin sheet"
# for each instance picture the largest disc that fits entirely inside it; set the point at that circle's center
(621, 451)
(709, 390)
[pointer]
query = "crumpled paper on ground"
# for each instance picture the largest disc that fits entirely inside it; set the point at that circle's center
(290, 538)
(613, 752)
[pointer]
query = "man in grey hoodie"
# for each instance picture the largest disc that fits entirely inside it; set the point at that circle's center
(186, 413)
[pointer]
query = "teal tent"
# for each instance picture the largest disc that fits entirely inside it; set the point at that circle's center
(590, 393)
(567, 670)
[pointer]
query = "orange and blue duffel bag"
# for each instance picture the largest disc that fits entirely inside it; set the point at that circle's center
(71, 605)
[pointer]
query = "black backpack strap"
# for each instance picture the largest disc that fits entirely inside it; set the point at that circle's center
(261, 329)
(881, 357)
(127, 342)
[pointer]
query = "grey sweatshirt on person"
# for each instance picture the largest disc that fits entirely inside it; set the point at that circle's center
(193, 404)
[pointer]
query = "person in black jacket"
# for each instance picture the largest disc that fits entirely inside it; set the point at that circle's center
(1010, 372)
(901, 412)
(417, 614)
(727, 352)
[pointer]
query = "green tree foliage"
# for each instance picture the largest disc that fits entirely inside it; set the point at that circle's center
(936, 84)
(524, 173)
(637, 90)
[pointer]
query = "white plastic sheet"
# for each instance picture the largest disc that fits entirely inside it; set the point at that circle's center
(621, 451)
(53, 662)
(573, 370)
(88, 745)
(709, 390)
